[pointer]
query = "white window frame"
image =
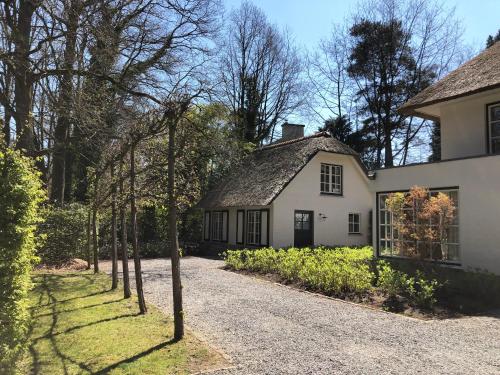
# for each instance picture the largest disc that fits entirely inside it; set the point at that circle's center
(492, 138)
(331, 179)
(386, 236)
(254, 227)
(353, 223)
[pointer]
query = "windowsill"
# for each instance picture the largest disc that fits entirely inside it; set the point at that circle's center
(355, 234)
(334, 194)
(447, 263)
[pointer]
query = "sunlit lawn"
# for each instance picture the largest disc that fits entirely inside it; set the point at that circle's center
(81, 327)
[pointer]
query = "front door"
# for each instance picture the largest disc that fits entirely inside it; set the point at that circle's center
(303, 224)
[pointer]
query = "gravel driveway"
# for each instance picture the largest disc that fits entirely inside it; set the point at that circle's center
(270, 329)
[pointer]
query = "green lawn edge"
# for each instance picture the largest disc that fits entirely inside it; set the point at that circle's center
(80, 326)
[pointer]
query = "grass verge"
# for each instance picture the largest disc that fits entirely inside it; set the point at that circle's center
(81, 327)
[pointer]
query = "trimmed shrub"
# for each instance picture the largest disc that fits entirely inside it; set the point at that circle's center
(20, 196)
(65, 234)
(337, 271)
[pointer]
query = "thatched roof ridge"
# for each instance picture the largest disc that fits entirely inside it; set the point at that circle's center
(261, 176)
(479, 74)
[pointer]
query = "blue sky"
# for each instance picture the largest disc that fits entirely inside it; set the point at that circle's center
(311, 20)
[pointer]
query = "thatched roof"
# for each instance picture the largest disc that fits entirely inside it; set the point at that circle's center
(479, 74)
(260, 177)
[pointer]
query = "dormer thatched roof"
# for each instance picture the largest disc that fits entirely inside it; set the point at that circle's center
(479, 74)
(261, 177)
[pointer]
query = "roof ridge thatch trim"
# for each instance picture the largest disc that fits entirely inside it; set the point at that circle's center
(479, 74)
(295, 140)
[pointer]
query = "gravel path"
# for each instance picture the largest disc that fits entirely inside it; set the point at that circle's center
(270, 329)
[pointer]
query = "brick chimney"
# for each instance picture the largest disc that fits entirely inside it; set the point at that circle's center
(291, 131)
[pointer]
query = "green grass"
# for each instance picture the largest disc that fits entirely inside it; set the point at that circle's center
(81, 327)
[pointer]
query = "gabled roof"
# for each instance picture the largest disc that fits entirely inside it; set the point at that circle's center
(479, 74)
(261, 176)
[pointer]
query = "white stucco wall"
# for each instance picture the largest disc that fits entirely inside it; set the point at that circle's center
(463, 125)
(303, 193)
(478, 180)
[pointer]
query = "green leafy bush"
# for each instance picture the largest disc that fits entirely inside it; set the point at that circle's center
(333, 271)
(65, 234)
(20, 196)
(391, 281)
(422, 291)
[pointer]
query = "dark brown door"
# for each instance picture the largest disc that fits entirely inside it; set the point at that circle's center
(304, 228)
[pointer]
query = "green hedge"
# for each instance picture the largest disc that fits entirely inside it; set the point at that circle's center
(20, 196)
(65, 234)
(337, 271)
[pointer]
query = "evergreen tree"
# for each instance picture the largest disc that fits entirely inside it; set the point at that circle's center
(492, 39)
(435, 143)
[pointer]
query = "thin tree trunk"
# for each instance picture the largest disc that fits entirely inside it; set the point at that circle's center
(135, 243)
(61, 133)
(173, 240)
(22, 76)
(123, 239)
(114, 247)
(95, 239)
(89, 239)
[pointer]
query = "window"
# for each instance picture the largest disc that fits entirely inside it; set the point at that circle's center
(331, 179)
(206, 226)
(219, 226)
(354, 223)
(240, 226)
(253, 227)
(302, 220)
(392, 244)
(494, 128)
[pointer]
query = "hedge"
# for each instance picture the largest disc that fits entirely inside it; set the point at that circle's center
(20, 196)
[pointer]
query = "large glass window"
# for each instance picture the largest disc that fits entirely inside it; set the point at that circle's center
(331, 179)
(494, 128)
(392, 243)
(253, 227)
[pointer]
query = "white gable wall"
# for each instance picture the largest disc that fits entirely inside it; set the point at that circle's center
(303, 193)
(463, 125)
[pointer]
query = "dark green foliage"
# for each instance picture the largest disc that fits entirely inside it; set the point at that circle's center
(492, 39)
(20, 197)
(385, 69)
(65, 234)
(360, 141)
(435, 143)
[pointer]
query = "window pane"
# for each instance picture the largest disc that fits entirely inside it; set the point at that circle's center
(495, 113)
(495, 146)
(495, 129)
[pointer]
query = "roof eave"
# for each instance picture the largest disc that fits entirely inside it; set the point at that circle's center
(412, 109)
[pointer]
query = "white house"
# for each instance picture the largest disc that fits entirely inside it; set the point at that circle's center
(315, 190)
(300, 191)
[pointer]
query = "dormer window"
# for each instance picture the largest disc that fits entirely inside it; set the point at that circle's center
(331, 179)
(494, 128)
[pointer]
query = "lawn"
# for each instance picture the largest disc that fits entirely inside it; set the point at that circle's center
(80, 327)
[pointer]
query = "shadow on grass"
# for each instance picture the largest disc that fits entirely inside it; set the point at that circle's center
(47, 283)
(79, 308)
(135, 357)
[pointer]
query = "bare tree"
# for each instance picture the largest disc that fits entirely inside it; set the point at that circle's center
(260, 74)
(423, 42)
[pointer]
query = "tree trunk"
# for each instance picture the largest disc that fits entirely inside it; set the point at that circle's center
(173, 241)
(123, 239)
(61, 133)
(22, 77)
(95, 239)
(388, 157)
(135, 243)
(89, 239)
(114, 247)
